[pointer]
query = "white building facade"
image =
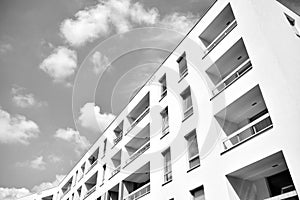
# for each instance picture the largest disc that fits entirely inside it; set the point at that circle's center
(217, 120)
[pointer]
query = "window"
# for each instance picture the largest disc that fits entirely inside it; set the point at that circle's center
(167, 165)
(76, 176)
(182, 65)
(79, 191)
(103, 174)
(163, 83)
(104, 146)
(193, 152)
(165, 121)
(187, 103)
(198, 193)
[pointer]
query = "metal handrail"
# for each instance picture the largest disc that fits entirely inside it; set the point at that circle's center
(136, 154)
(91, 167)
(119, 138)
(93, 189)
(248, 126)
(115, 171)
(142, 191)
(221, 36)
(139, 118)
(186, 112)
(235, 72)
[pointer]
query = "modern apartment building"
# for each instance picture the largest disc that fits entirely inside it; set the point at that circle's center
(218, 120)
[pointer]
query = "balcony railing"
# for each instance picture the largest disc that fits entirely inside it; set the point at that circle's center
(66, 192)
(165, 130)
(232, 77)
(164, 93)
(91, 167)
(137, 153)
(188, 112)
(138, 119)
(93, 189)
(142, 191)
(254, 128)
(284, 196)
(118, 138)
(220, 37)
(80, 177)
(115, 171)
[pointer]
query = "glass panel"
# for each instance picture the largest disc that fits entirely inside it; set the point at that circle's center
(193, 146)
(199, 194)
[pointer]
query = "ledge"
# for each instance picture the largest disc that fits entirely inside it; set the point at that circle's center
(164, 135)
(165, 183)
(183, 76)
(187, 117)
(191, 169)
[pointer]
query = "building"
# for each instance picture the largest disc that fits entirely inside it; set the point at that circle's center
(219, 122)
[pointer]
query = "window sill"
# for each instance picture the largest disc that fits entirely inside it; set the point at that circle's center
(182, 76)
(187, 117)
(101, 184)
(165, 183)
(164, 135)
(161, 98)
(191, 169)
(102, 156)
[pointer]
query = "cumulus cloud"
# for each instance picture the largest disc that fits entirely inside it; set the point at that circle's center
(16, 129)
(119, 15)
(99, 61)
(48, 185)
(13, 193)
(37, 163)
(61, 64)
(79, 142)
(24, 99)
(54, 158)
(90, 117)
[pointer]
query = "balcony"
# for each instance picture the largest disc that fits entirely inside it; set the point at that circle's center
(93, 160)
(137, 184)
(139, 112)
(267, 179)
(116, 161)
(91, 167)
(113, 193)
(138, 145)
(67, 187)
(220, 27)
(243, 119)
(118, 138)
(90, 185)
(231, 66)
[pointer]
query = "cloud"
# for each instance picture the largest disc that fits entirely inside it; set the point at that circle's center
(100, 62)
(25, 100)
(16, 129)
(179, 22)
(61, 64)
(79, 142)
(93, 22)
(37, 163)
(54, 158)
(5, 47)
(13, 193)
(90, 117)
(48, 185)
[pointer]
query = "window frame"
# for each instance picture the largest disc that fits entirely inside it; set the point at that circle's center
(167, 166)
(189, 142)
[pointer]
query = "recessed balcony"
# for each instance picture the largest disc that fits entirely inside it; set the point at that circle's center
(116, 162)
(266, 179)
(93, 160)
(138, 145)
(118, 133)
(67, 187)
(90, 185)
(243, 119)
(113, 193)
(218, 29)
(137, 184)
(231, 66)
(139, 112)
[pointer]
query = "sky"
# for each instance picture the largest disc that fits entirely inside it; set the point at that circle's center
(59, 90)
